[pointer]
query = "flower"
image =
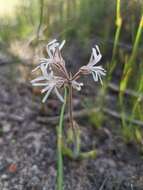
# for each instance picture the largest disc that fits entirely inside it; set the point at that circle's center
(51, 48)
(55, 75)
(49, 82)
(90, 68)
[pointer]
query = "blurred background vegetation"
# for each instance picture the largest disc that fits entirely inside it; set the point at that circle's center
(116, 26)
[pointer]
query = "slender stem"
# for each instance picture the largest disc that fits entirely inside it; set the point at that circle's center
(59, 145)
(70, 107)
(71, 120)
(41, 17)
(117, 35)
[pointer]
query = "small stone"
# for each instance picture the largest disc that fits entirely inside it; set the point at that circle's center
(35, 169)
(6, 127)
(4, 177)
(35, 180)
(2, 166)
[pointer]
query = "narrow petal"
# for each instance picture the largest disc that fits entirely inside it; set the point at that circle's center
(62, 44)
(97, 57)
(99, 71)
(45, 61)
(47, 95)
(45, 89)
(95, 77)
(36, 68)
(49, 53)
(99, 67)
(39, 84)
(97, 49)
(44, 70)
(58, 95)
(53, 41)
(99, 76)
(37, 79)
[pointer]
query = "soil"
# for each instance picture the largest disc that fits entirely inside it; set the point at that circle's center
(28, 146)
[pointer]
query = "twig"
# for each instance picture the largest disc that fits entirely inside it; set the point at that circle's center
(86, 112)
(13, 117)
(102, 185)
(119, 116)
(128, 92)
(76, 114)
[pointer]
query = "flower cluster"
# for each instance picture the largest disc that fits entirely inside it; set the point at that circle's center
(54, 73)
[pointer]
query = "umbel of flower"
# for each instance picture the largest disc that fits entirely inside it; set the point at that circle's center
(55, 75)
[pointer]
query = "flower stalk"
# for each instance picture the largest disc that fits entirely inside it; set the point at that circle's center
(72, 120)
(59, 145)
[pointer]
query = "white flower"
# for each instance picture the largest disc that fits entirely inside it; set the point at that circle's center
(95, 56)
(52, 46)
(55, 75)
(96, 71)
(43, 61)
(49, 82)
(52, 53)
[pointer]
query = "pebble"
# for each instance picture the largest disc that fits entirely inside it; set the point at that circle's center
(35, 180)
(35, 169)
(4, 177)
(6, 127)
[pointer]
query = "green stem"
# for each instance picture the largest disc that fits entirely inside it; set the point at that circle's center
(41, 17)
(129, 66)
(117, 35)
(59, 145)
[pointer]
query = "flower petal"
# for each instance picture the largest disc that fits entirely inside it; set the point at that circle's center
(45, 89)
(47, 95)
(53, 41)
(37, 79)
(39, 84)
(95, 56)
(95, 77)
(58, 95)
(62, 44)
(99, 76)
(36, 68)
(94, 69)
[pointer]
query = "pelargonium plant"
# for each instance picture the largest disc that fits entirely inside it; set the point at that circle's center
(54, 76)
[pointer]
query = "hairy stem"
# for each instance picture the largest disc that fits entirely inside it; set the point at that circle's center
(59, 145)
